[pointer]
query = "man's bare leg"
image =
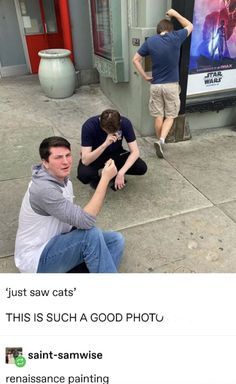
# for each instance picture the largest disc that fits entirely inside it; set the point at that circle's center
(166, 126)
(162, 131)
(159, 120)
(158, 126)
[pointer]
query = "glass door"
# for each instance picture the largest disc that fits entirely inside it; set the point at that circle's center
(42, 27)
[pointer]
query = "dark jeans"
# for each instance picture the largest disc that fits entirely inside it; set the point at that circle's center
(88, 173)
(101, 251)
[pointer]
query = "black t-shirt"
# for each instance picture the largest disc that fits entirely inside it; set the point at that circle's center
(93, 135)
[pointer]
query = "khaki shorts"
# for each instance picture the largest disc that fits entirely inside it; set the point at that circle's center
(164, 100)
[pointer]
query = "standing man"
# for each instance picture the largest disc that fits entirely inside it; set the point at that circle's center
(164, 49)
(56, 235)
(102, 140)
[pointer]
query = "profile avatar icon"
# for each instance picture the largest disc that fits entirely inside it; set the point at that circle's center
(14, 355)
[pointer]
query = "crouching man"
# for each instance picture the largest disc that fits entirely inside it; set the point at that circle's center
(56, 235)
(101, 140)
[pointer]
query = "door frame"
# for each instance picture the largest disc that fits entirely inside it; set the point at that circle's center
(22, 33)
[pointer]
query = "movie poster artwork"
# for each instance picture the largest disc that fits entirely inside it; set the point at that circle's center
(212, 64)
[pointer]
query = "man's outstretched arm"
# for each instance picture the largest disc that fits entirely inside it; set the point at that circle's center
(182, 20)
(94, 206)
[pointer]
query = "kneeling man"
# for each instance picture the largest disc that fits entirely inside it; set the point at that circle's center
(102, 140)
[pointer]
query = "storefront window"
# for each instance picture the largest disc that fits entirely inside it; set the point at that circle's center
(100, 10)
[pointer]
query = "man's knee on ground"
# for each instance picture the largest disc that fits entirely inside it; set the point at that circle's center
(143, 167)
(85, 177)
(84, 180)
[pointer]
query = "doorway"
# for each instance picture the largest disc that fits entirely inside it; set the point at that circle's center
(42, 27)
(12, 55)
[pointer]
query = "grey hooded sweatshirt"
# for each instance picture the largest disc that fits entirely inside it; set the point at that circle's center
(47, 210)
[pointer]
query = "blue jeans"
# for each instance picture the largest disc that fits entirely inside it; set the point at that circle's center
(101, 251)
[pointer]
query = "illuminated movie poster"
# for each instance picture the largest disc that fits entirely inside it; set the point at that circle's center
(212, 66)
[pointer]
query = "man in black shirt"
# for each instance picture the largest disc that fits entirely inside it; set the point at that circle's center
(102, 140)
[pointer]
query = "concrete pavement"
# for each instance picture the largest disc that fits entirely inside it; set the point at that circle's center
(179, 217)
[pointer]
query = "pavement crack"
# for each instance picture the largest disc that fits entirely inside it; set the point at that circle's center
(144, 222)
(185, 178)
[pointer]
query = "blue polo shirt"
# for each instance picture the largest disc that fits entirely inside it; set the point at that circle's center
(94, 136)
(165, 52)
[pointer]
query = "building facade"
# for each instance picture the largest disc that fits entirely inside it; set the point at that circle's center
(103, 36)
(28, 26)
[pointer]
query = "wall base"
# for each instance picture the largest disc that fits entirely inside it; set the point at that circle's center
(180, 130)
(14, 70)
(87, 76)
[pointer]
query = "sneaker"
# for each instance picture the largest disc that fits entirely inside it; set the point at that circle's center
(159, 151)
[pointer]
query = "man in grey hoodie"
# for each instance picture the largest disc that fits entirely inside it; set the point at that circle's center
(56, 235)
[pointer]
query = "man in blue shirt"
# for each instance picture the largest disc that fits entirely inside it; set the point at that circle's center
(164, 49)
(101, 140)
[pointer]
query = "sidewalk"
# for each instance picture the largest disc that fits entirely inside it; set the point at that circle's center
(179, 217)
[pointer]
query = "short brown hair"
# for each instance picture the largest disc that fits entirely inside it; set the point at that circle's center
(110, 120)
(49, 142)
(164, 25)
